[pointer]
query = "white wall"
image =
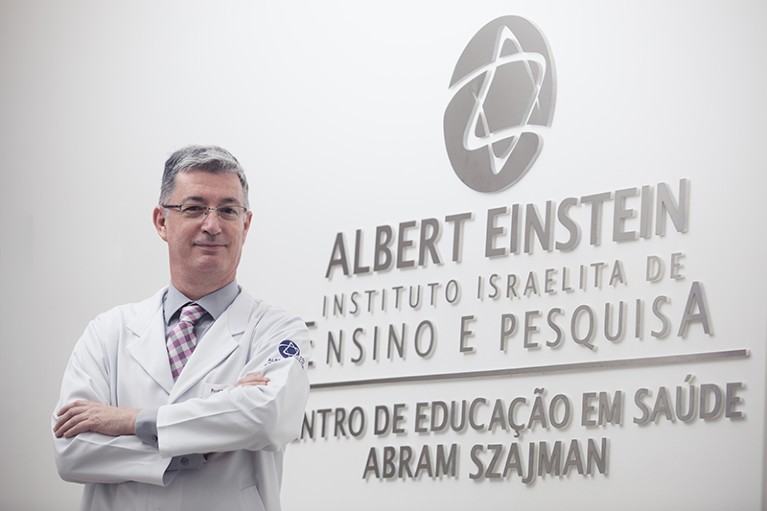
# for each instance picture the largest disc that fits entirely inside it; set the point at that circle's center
(336, 109)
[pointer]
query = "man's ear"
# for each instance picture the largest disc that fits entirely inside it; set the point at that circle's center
(248, 219)
(158, 217)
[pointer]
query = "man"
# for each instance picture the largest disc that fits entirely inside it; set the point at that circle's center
(186, 400)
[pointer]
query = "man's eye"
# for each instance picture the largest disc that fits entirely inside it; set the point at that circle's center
(228, 211)
(191, 210)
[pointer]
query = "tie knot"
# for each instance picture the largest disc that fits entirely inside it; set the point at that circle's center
(191, 313)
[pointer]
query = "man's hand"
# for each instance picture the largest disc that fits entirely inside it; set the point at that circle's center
(252, 379)
(81, 416)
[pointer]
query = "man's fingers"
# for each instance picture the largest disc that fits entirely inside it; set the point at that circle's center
(65, 416)
(71, 428)
(73, 419)
(252, 379)
(66, 408)
(70, 425)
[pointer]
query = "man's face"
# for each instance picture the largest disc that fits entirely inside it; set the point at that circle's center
(204, 252)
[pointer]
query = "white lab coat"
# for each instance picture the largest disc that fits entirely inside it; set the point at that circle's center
(121, 360)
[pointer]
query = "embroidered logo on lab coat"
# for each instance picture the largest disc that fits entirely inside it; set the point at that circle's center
(289, 349)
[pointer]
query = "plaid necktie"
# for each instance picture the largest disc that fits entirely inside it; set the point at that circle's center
(181, 339)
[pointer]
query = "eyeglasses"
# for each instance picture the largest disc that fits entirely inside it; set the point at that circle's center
(193, 211)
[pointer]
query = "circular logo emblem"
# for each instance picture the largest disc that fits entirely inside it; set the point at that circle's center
(504, 92)
(289, 349)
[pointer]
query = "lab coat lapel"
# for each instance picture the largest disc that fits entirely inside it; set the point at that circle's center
(148, 346)
(221, 339)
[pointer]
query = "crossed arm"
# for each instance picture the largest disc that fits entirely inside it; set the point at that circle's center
(81, 416)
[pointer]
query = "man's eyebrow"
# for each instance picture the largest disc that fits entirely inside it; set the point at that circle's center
(197, 198)
(192, 198)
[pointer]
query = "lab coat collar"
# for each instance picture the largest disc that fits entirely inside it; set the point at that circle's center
(148, 347)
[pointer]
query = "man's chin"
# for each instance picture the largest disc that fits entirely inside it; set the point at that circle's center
(209, 263)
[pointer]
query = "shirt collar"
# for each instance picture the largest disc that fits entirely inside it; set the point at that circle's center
(214, 303)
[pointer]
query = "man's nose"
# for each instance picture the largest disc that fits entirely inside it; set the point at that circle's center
(211, 223)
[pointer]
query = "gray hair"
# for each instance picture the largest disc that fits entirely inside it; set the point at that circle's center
(213, 159)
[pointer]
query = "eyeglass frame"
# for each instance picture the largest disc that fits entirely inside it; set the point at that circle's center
(205, 210)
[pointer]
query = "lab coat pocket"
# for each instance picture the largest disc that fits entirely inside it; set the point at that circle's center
(251, 500)
(209, 388)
